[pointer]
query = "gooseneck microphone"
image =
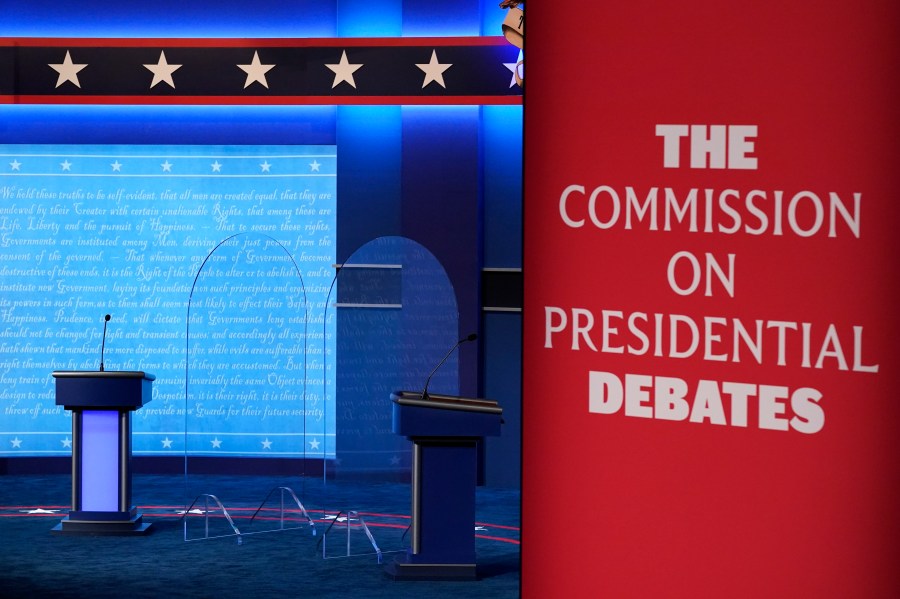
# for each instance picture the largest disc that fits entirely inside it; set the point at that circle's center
(103, 344)
(471, 337)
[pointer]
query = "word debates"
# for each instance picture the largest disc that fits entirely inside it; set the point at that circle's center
(770, 407)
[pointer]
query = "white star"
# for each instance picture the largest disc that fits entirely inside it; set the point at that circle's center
(15, 164)
(167, 443)
(16, 443)
(66, 166)
(39, 510)
(166, 166)
(116, 166)
(266, 444)
(395, 461)
(314, 166)
(67, 71)
(265, 166)
(216, 167)
(216, 443)
(162, 71)
(67, 442)
(256, 72)
(343, 71)
(314, 444)
(512, 66)
(434, 71)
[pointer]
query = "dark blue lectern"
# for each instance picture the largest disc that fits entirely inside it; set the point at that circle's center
(101, 404)
(445, 431)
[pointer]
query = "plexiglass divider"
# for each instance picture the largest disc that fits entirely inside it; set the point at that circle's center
(348, 535)
(393, 313)
(248, 417)
(209, 520)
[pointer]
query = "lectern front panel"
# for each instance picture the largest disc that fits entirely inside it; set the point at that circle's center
(101, 404)
(99, 461)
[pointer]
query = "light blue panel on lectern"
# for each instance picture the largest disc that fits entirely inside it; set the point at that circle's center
(100, 461)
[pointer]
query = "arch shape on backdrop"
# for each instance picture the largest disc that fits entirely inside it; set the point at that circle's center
(246, 413)
(394, 314)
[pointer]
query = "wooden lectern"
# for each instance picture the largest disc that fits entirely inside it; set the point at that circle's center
(445, 431)
(101, 404)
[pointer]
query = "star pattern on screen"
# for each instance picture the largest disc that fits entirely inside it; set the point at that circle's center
(162, 71)
(372, 70)
(225, 165)
(68, 71)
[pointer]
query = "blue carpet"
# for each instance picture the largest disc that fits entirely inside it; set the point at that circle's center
(35, 563)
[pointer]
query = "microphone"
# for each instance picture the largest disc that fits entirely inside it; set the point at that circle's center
(103, 345)
(471, 337)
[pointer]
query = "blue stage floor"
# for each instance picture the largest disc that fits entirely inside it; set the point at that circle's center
(34, 562)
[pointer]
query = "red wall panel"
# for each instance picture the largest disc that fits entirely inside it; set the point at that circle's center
(739, 437)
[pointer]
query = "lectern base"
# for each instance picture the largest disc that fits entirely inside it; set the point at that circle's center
(400, 569)
(131, 524)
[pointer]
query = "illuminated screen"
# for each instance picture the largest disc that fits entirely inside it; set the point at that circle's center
(90, 230)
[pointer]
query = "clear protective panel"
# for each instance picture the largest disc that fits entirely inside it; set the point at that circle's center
(394, 312)
(247, 418)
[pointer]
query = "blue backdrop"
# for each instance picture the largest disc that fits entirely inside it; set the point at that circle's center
(448, 177)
